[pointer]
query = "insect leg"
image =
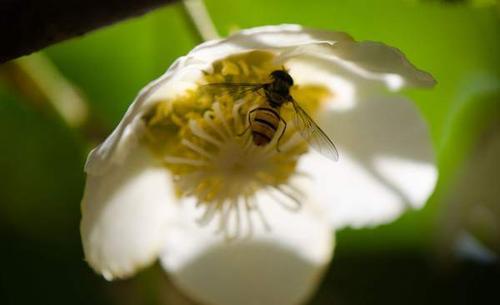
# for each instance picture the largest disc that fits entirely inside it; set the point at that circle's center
(281, 135)
(243, 132)
(249, 122)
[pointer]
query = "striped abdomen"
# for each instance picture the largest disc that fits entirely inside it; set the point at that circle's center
(264, 123)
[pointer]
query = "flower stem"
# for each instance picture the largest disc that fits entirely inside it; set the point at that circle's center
(45, 89)
(39, 80)
(201, 19)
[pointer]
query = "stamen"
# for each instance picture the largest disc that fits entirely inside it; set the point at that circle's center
(223, 212)
(207, 215)
(262, 218)
(237, 117)
(231, 230)
(295, 190)
(296, 202)
(220, 116)
(238, 218)
(291, 142)
(199, 138)
(198, 131)
(248, 213)
(186, 161)
(248, 144)
(208, 117)
(197, 149)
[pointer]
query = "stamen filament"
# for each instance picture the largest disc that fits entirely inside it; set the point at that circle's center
(207, 141)
(208, 215)
(220, 116)
(292, 198)
(262, 218)
(180, 160)
(197, 149)
(208, 118)
(199, 132)
(248, 210)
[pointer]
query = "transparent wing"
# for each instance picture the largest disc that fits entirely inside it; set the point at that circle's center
(236, 90)
(313, 134)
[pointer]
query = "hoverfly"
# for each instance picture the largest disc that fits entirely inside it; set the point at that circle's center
(264, 120)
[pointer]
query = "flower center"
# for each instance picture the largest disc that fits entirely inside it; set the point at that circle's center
(204, 137)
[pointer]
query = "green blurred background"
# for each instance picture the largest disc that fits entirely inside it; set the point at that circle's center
(405, 262)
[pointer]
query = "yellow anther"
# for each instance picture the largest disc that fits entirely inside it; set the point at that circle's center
(196, 135)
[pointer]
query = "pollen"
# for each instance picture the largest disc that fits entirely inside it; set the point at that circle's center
(202, 137)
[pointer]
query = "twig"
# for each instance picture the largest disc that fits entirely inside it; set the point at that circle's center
(30, 25)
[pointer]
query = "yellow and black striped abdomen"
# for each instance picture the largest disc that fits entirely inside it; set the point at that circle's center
(264, 123)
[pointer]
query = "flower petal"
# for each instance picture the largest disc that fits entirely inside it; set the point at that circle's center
(364, 64)
(114, 150)
(333, 54)
(379, 58)
(124, 216)
(279, 38)
(278, 267)
(184, 73)
(386, 162)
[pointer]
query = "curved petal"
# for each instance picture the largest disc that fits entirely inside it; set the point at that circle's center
(278, 37)
(360, 62)
(124, 216)
(379, 58)
(333, 52)
(278, 267)
(386, 162)
(184, 73)
(114, 149)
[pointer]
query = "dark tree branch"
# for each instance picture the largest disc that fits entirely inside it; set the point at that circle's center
(30, 25)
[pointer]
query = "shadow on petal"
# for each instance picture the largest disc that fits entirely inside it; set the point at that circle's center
(249, 273)
(281, 266)
(391, 141)
(124, 214)
(386, 162)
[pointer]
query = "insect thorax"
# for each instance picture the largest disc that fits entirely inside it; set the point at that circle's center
(278, 91)
(274, 102)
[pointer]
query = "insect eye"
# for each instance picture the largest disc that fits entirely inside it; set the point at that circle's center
(283, 76)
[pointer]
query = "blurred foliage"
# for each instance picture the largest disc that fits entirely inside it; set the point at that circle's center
(41, 159)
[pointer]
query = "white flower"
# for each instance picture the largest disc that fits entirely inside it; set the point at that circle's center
(176, 159)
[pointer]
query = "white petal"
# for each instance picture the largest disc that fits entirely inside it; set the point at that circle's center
(333, 52)
(386, 163)
(184, 73)
(279, 267)
(276, 38)
(363, 63)
(379, 58)
(115, 148)
(124, 215)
